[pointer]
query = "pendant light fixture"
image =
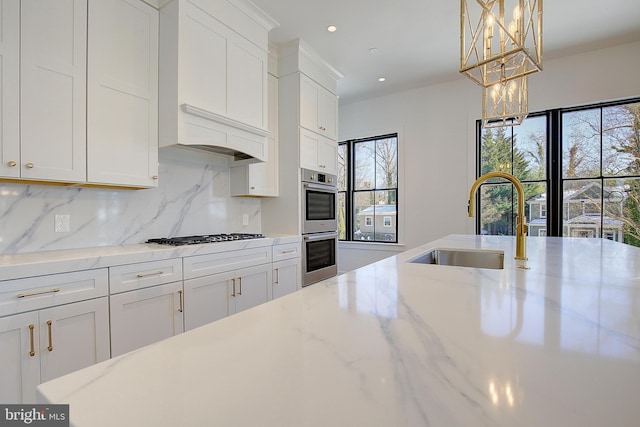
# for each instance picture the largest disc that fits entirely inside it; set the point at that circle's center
(500, 45)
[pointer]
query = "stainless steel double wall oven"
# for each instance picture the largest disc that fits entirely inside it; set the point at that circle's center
(319, 226)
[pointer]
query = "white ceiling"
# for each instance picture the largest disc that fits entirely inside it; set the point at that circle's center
(418, 41)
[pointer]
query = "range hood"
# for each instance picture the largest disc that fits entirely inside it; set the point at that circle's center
(205, 131)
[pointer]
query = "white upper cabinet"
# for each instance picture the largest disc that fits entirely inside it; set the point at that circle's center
(53, 90)
(10, 94)
(318, 108)
(122, 103)
(318, 153)
(79, 92)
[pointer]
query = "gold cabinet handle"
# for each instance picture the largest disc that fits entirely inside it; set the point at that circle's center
(32, 349)
(155, 177)
(29, 165)
(240, 285)
(155, 273)
(181, 301)
(289, 251)
(233, 285)
(277, 279)
(50, 348)
(30, 294)
(12, 163)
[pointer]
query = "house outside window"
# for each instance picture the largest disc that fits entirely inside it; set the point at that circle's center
(368, 189)
(587, 186)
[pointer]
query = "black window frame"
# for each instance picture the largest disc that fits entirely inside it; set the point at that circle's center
(554, 167)
(350, 191)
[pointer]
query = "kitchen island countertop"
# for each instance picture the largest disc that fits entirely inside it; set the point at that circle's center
(399, 344)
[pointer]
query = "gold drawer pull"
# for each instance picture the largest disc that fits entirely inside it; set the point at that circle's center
(233, 285)
(12, 163)
(180, 297)
(277, 271)
(50, 348)
(29, 165)
(30, 294)
(288, 251)
(240, 285)
(32, 350)
(155, 273)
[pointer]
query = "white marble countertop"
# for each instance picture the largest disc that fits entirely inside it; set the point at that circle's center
(51, 262)
(399, 344)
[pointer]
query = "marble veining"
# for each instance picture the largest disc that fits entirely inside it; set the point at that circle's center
(192, 197)
(400, 344)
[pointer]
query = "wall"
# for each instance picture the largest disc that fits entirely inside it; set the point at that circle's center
(192, 198)
(437, 138)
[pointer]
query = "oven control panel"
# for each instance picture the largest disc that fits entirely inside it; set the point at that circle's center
(319, 178)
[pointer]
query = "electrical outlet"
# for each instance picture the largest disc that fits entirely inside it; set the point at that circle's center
(62, 223)
(245, 219)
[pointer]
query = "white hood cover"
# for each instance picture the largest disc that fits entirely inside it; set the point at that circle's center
(203, 130)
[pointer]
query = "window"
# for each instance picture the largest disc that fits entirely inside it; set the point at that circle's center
(580, 168)
(368, 189)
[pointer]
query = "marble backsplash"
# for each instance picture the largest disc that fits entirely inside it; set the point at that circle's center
(192, 197)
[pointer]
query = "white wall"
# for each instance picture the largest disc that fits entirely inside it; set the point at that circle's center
(437, 137)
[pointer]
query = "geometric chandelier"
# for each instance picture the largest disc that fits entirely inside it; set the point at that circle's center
(501, 44)
(505, 103)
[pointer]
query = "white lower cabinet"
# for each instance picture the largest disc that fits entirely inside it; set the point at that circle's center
(213, 297)
(286, 277)
(142, 317)
(42, 345)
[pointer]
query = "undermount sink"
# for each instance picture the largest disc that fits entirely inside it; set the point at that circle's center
(462, 258)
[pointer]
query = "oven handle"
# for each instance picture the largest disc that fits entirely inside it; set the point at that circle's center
(327, 188)
(319, 236)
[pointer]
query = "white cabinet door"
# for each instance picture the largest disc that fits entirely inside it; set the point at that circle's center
(10, 94)
(318, 108)
(328, 114)
(318, 153)
(206, 299)
(19, 358)
(73, 336)
(145, 316)
(250, 288)
(122, 95)
(213, 297)
(53, 90)
(286, 277)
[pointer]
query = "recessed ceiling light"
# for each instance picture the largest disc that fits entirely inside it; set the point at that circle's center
(373, 50)
(331, 28)
(381, 79)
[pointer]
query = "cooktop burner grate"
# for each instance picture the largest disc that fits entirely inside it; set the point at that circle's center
(207, 238)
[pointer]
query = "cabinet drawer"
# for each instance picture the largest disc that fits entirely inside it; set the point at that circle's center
(33, 293)
(144, 274)
(286, 251)
(203, 265)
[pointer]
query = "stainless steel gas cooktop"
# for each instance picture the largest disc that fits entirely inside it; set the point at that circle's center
(208, 238)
